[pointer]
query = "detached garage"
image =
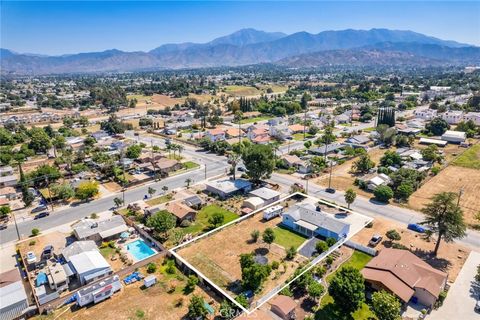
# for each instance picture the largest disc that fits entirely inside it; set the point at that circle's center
(253, 203)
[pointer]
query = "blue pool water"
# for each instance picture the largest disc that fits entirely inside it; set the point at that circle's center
(140, 250)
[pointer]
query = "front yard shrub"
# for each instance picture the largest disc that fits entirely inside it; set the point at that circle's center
(383, 193)
(321, 246)
(151, 267)
(399, 246)
(255, 235)
(170, 267)
(331, 241)
(35, 232)
(291, 252)
(275, 265)
(393, 235)
(286, 292)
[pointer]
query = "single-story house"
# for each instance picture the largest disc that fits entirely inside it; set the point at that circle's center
(88, 229)
(452, 116)
(454, 136)
(6, 171)
(215, 135)
(253, 203)
(181, 211)
(296, 162)
(358, 139)
(405, 275)
(100, 135)
(78, 247)
(194, 202)
(474, 116)
(89, 266)
(305, 219)
(226, 188)
(284, 307)
(267, 195)
(234, 133)
(8, 181)
(327, 149)
(378, 180)
(297, 128)
(8, 192)
(13, 298)
(440, 143)
(165, 166)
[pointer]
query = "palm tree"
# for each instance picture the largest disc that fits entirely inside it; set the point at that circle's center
(180, 148)
(164, 189)
(188, 181)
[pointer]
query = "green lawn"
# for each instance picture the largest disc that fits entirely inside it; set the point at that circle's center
(158, 200)
(201, 222)
(287, 238)
(329, 310)
(107, 252)
(255, 119)
(299, 136)
(470, 158)
(190, 165)
(369, 129)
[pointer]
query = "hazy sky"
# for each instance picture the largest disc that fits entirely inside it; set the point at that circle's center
(61, 27)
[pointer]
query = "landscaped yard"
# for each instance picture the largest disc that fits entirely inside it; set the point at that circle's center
(190, 165)
(201, 222)
(299, 136)
(470, 158)
(329, 311)
(255, 119)
(287, 238)
(159, 200)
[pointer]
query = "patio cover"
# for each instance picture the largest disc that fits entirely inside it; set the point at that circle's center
(306, 225)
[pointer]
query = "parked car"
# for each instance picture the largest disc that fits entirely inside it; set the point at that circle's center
(416, 227)
(41, 207)
(42, 215)
(242, 169)
(47, 252)
(375, 240)
(31, 257)
(3, 226)
(330, 190)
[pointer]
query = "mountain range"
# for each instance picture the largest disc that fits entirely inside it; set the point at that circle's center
(250, 46)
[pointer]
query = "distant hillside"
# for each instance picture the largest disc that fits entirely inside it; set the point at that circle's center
(250, 46)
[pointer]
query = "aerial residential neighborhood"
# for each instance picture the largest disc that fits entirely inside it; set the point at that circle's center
(206, 169)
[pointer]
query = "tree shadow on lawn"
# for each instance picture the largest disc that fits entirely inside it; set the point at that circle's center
(235, 287)
(436, 262)
(332, 312)
(261, 251)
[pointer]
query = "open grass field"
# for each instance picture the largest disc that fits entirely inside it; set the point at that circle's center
(328, 308)
(242, 91)
(190, 165)
(201, 222)
(218, 255)
(452, 179)
(469, 159)
(135, 302)
(255, 119)
(287, 238)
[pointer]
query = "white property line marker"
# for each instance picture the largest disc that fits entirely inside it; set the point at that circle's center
(312, 263)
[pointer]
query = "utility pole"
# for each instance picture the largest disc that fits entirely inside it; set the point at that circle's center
(205, 171)
(49, 193)
(305, 124)
(123, 182)
(330, 177)
(16, 226)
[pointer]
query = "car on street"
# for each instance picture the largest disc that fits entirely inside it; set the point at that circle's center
(416, 227)
(40, 208)
(42, 215)
(242, 169)
(376, 238)
(330, 190)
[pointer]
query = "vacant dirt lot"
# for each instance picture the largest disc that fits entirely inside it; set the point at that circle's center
(135, 302)
(451, 256)
(218, 256)
(342, 179)
(452, 179)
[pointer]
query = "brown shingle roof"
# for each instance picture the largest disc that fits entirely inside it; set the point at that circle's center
(179, 209)
(284, 304)
(408, 271)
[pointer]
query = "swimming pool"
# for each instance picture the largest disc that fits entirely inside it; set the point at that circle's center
(140, 250)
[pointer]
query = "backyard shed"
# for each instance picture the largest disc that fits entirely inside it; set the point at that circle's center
(268, 195)
(253, 203)
(149, 281)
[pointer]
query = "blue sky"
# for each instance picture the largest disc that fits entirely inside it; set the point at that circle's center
(62, 27)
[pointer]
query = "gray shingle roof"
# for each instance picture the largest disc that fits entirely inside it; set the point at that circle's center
(308, 213)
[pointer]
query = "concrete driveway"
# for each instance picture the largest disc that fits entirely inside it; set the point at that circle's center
(463, 294)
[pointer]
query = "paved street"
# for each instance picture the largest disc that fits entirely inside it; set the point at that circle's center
(371, 208)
